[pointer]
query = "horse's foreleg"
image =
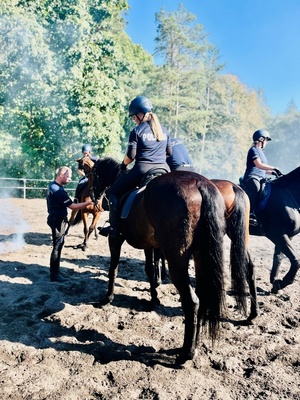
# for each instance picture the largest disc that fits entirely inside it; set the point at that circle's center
(115, 251)
(85, 230)
(277, 259)
(96, 216)
(152, 275)
(286, 247)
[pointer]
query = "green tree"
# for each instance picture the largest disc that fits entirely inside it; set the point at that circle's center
(65, 80)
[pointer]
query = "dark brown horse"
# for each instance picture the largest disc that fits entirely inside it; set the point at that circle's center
(94, 209)
(182, 214)
(237, 223)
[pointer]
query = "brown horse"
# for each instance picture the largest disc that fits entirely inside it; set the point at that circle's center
(237, 223)
(182, 214)
(94, 209)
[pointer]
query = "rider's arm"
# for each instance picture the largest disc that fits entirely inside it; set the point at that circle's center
(127, 160)
(263, 166)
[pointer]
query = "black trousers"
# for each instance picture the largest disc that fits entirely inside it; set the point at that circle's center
(59, 228)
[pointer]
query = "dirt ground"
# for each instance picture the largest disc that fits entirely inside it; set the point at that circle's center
(54, 344)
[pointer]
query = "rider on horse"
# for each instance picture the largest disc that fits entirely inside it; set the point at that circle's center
(149, 144)
(256, 169)
(180, 159)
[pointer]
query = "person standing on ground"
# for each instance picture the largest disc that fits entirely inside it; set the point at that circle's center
(58, 203)
(180, 159)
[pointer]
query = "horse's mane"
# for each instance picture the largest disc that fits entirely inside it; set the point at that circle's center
(291, 177)
(108, 168)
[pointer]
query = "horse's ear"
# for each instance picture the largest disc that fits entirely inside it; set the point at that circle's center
(77, 159)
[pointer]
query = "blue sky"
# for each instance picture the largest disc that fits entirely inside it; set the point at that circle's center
(258, 40)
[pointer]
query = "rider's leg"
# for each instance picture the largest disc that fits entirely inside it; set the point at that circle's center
(114, 218)
(253, 187)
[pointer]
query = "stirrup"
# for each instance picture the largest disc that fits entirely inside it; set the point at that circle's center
(253, 220)
(105, 231)
(108, 231)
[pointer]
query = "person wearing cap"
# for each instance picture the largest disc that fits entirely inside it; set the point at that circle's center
(256, 169)
(148, 145)
(180, 159)
(87, 151)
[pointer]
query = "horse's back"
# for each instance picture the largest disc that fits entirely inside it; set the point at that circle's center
(175, 203)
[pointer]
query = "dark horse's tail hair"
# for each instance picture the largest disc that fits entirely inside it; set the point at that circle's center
(209, 244)
(237, 225)
(78, 218)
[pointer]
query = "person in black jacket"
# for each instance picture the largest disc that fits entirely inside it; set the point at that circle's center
(58, 203)
(180, 159)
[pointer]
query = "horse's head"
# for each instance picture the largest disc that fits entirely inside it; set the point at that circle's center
(86, 164)
(105, 172)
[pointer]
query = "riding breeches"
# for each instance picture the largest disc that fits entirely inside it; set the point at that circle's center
(252, 185)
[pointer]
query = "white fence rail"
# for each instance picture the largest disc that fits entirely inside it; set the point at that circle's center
(25, 187)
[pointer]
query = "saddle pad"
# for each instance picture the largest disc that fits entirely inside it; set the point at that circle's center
(129, 201)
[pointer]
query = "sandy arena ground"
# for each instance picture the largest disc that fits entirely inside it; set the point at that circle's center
(54, 344)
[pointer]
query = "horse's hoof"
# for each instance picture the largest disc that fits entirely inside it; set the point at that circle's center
(106, 300)
(276, 286)
(183, 357)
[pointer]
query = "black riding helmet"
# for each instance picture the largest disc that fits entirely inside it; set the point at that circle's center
(140, 104)
(261, 135)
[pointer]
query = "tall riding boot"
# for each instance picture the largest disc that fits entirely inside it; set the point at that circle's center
(114, 218)
(55, 275)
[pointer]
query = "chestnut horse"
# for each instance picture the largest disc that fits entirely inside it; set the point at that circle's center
(182, 214)
(237, 229)
(82, 214)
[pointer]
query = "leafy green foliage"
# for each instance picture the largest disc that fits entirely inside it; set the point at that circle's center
(68, 71)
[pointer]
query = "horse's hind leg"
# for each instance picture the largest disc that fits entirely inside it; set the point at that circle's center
(152, 274)
(190, 305)
(252, 290)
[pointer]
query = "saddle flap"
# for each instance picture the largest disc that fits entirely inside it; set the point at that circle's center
(128, 202)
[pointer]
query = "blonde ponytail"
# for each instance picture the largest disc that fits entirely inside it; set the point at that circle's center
(155, 125)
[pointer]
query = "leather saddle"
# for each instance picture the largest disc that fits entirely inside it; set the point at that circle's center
(128, 198)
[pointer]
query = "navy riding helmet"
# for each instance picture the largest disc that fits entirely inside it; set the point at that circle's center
(260, 135)
(140, 104)
(86, 148)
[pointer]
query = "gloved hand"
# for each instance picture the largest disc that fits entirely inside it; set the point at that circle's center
(276, 172)
(123, 166)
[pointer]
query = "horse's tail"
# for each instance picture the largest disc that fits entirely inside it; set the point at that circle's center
(237, 229)
(209, 251)
(75, 218)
